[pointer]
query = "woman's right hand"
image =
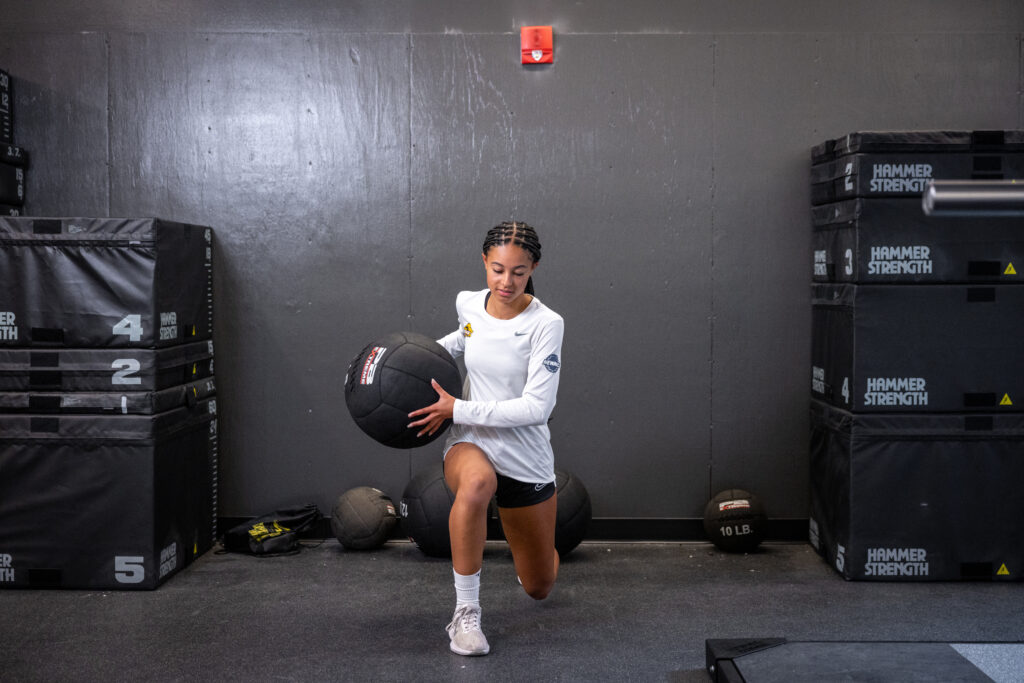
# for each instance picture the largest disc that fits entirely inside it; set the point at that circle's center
(434, 415)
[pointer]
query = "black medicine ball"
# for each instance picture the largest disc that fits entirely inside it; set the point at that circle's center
(735, 521)
(390, 378)
(574, 513)
(363, 518)
(426, 504)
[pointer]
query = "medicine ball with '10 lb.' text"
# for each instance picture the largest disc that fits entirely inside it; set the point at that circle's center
(734, 520)
(363, 518)
(390, 378)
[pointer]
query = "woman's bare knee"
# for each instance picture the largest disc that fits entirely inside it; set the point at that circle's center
(538, 589)
(476, 489)
(470, 476)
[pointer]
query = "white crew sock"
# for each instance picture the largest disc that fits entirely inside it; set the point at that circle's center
(467, 589)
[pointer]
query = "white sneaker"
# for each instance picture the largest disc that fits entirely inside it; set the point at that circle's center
(465, 634)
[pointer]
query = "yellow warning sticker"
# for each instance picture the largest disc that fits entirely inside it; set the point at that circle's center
(1003, 571)
(1006, 400)
(1010, 270)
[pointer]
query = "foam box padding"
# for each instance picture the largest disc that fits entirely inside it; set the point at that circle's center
(107, 402)
(919, 141)
(12, 185)
(917, 497)
(102, 370)
(918, 348)
(104, 282)
(906, 174)
(892, 241)
(106, 502)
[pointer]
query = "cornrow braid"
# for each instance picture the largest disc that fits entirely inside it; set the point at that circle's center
(514, 232)
(518, 233)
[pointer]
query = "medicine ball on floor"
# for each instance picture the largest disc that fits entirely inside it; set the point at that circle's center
(574, 511)
(735, 521)
(363, 518)
(390, 378)
(426, 504)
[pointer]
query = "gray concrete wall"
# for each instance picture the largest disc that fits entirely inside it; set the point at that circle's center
(351, 157)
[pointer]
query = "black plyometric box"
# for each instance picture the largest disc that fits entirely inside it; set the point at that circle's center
(918, 348)
(892, 241)
(13, 155)
(123, 402)
(95, 370)
(105, 282)
(900, 163)
(106, 502)
(12, 185)
(920, 497)
(6, 108)
(906, 174)
(919, 141)
(13, 161)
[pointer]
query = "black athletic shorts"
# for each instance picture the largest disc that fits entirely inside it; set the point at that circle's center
(513, 493)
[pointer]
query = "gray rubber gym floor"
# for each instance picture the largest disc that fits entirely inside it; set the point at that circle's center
(620, 612)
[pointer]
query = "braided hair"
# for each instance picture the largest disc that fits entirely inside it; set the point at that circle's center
(519, 234)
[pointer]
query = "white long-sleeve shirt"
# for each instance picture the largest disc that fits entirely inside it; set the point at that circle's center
(512, 371)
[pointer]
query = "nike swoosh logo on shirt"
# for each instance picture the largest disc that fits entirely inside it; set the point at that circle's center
(520, 334)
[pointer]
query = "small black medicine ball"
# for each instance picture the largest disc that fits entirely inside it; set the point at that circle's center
(426, 504)
(735, 521)
(363, 518)
(390, 378)
(574, 514)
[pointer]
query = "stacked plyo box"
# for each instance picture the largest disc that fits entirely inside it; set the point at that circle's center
(6, 109)
(13, 159)
(108, 412)
(917, 377)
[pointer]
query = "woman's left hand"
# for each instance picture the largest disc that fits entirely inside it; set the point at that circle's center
(433, 416)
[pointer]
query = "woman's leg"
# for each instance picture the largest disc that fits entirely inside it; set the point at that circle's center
(530, 532)
(470, 476)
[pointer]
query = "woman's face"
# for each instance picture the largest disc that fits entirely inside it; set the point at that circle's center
(508, 269)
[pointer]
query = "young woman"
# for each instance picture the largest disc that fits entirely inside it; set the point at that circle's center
(499, 443)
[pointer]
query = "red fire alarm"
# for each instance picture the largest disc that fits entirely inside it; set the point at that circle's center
(536, 44)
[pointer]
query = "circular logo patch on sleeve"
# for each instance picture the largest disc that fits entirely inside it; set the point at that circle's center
(551, 363)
